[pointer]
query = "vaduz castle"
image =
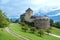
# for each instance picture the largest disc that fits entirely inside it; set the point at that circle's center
(41, 22)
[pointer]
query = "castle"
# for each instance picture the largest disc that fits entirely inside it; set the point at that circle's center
(41, 22)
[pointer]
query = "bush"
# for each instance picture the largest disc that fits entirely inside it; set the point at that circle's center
(41, 32)
(23, 24)
(48, 31)
(25, 28)
(32, 29)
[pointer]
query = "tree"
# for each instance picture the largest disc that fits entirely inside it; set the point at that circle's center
(11, 20)
(33, 29)
(22, 17)
(51, 22)
(16, 21)
(41, 32)
(57, 24)
(3, 20)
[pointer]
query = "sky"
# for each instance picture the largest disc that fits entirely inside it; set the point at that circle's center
(14, 8)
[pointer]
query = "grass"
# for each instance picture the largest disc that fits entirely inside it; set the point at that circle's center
(5, 36)
(17, 28)
(55, 31)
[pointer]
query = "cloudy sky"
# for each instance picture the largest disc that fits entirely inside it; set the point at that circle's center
(14, 8)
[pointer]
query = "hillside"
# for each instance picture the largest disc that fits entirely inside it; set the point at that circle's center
(6, 36)
(17, 28)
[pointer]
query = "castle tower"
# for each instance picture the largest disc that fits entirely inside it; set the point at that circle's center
(28, 14)
(29, 11)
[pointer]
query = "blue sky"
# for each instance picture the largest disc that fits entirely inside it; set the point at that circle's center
(14, 8)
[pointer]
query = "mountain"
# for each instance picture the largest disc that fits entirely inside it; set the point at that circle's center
(56, 16)
(53, 12)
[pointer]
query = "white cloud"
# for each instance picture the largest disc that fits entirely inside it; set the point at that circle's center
(45, 5)
(45, 2)
(4, 1)
(37, 2)
(19, 6)
(54, 15)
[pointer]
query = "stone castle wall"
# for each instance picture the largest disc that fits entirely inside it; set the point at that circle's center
(41, 22)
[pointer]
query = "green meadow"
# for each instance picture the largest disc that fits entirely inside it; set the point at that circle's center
(17, 28)
(6, 36)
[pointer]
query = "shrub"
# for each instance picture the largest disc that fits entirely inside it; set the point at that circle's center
(25, 28)
(32, 29)
(41, 32)
(48, 31)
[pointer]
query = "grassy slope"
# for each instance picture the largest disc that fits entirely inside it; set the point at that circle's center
(55, 31)
(5, 36)
(17, 29)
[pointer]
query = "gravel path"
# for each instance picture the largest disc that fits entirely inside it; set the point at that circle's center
(53, 35)
(15, 34)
